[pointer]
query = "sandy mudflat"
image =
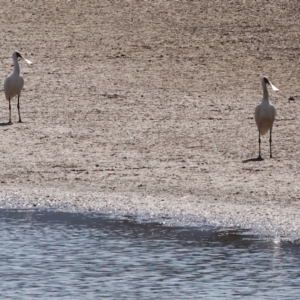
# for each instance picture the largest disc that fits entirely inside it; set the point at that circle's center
(148, 105)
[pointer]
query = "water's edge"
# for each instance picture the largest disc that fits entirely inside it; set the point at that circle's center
(264, 219)
(157, 226)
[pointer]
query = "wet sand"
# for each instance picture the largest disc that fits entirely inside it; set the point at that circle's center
(148, 106)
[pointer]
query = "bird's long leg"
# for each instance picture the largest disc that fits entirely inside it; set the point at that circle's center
(270, 140)
(18, 105)
(9, 112)
(259, 142)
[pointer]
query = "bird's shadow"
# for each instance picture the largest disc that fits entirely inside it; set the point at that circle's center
(6, 124)
(252, 159)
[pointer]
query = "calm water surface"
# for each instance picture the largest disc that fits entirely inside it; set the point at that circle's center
(80, 256)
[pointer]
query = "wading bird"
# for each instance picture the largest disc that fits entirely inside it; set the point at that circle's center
(14, 83)
(265, 115)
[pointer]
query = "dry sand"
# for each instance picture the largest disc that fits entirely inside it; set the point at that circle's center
(147, 106)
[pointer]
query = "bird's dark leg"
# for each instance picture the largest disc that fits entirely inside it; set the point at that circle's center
(9, 112)
(270, 140)
(259, 142)
(18, 105)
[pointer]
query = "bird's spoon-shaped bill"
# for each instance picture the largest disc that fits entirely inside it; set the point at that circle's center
(28, 61)
(274, 88)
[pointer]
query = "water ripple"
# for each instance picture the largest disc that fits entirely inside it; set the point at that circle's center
(81, 256)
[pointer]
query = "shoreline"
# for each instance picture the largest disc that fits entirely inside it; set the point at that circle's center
(262, 220)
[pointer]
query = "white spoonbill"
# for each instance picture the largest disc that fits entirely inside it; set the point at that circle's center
(13, 83)
(265, 114)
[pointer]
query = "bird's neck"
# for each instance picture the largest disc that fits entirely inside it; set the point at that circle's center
(265, 93)
(16, 66)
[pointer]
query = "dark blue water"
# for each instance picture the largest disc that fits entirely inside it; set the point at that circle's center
(87, 256)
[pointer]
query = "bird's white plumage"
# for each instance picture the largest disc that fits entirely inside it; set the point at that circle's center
(13, 84)
(264, 115)
(265, 112)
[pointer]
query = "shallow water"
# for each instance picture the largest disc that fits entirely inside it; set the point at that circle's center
(92, 256)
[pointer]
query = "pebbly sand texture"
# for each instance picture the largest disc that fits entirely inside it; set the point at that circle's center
(147, 107)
